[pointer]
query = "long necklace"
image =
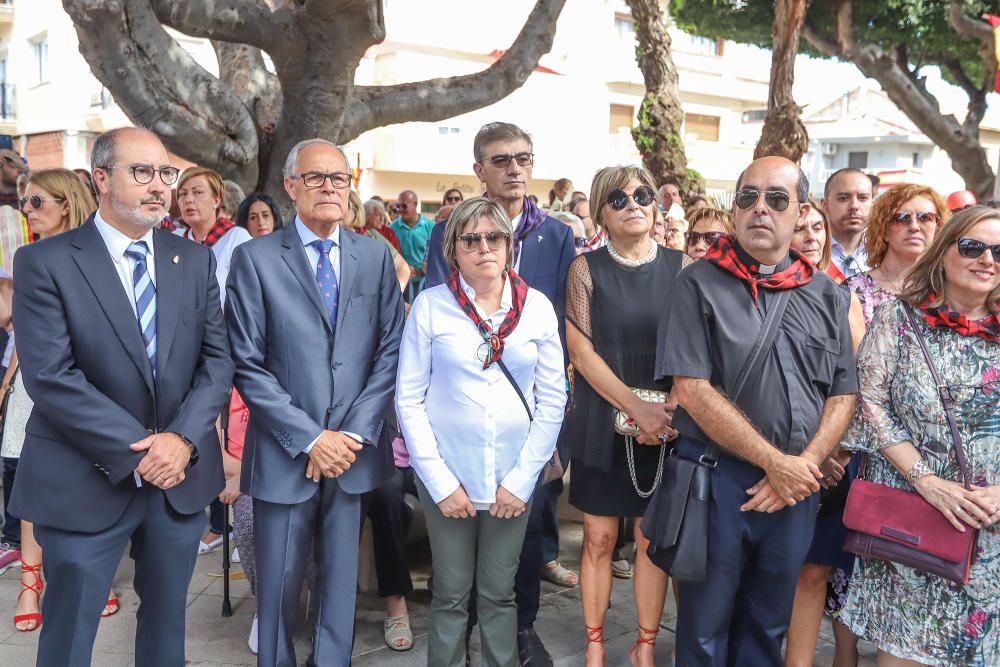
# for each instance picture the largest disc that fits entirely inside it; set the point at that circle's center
(632, 263)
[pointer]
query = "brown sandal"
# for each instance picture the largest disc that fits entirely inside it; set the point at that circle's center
(35, 588)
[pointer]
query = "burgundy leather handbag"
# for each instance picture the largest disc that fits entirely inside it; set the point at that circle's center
(899, 526)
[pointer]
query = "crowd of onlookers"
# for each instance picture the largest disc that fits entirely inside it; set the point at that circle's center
(603, 311)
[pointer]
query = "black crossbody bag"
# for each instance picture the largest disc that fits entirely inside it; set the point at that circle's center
(676, 520)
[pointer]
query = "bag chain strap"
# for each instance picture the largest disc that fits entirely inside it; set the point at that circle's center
(630, 457)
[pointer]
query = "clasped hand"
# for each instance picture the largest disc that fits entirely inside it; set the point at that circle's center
(332, 455)
(977, 508)
(167, 456)
(789, 479)
(652, 420)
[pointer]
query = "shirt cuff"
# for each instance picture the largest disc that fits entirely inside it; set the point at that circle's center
(312, 444)
(347, 433)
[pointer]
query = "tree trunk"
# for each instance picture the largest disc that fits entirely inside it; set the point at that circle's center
(783, 133)
(657, 134)
(244, 122)
(959, 140)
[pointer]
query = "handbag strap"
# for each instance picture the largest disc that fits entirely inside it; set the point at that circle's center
(945, 395)
(520, 394)
(765, 338)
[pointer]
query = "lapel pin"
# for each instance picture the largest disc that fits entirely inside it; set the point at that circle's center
(540, 237)
(176, 259)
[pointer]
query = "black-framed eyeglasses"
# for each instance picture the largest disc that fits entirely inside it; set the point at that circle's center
(502, 161)
(642, 196)
(144, 173)
(922, 218)
(708, 237)
(473, 240)
(776, 200)
(35, 201)
(974, 249)
(453, 199)
(580, 242)
(316, 179)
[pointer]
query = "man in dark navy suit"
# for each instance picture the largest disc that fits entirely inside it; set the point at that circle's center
(128, 366)
(543, 249)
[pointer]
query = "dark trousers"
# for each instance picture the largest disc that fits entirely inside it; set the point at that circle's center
(284, 537)
(739, 615)
(80, 568)
(217, 517)
(550, 521)
(391, 517)
(11, 524)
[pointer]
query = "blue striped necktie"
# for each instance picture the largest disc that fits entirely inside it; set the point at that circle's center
(145, 299)
(326, 279)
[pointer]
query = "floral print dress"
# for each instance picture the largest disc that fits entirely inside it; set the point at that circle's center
(907, 613)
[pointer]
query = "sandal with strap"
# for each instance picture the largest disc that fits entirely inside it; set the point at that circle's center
(35, 588)
(397, 628)
(595, 635)
(111, 607)
(561, 576)
(642, 640)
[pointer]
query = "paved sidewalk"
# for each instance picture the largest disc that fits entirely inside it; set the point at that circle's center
(214, 641)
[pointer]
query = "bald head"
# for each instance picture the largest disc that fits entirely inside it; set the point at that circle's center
(408, 206)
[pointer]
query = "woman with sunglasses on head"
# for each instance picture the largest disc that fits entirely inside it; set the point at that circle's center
(614, 298)
(706, 226)
(477, 351)
(953, 294)
(54, 201)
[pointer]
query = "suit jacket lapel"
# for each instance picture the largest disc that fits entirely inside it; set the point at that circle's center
(350, 264)
(99, 272)
(169, 292)
(298, 262)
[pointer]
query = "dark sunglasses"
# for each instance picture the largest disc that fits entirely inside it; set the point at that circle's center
(642, 196)
(473, 240)
(502, 161)
(453, 199)
(708, 237)
(35, 201)
(776, 200)
(973, 249)
(922, 218)
(580, 242)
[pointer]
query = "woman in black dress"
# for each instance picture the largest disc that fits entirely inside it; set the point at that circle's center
(614, 299)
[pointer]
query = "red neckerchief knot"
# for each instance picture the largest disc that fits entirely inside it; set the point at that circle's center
(217, 231)
(940, 316)
(494, 340)
(723, 255)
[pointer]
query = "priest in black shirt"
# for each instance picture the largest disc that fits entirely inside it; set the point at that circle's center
(775, 435)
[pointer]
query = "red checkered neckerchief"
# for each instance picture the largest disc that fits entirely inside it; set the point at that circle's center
(940, 316)
(723, 254)
(518, 292)
(835, 273)
(214, 235)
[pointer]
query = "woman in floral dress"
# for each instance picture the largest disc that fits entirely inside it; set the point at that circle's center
(913, 617)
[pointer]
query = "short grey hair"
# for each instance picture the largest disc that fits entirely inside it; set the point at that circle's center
(497, 132)
(232, 197)
(371, 205)
(470, 211)
(572, 220)
(293, 155)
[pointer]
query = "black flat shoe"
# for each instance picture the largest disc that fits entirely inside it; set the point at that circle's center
(530, 649)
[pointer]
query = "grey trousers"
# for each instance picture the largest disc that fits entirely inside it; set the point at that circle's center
(483, 551)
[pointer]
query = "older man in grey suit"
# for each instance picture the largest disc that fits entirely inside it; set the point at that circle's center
(315, 318)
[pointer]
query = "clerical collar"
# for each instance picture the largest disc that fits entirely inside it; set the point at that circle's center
(753, 266)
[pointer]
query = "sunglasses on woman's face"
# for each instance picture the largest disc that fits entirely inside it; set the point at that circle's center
(708, 237)
(473, 240)
(453, 199)
(776, 200)
(642, 196)
(973, 249)
(922, 218)
(35, 201)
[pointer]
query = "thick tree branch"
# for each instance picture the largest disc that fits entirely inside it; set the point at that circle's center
(242, 21)
(971, 28)
(435, 99)
(954, 67)
(822, 41)
(160, 86)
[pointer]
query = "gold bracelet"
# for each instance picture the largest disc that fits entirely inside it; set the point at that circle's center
(916, 471)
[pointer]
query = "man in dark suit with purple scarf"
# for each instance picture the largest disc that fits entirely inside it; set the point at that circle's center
(543, 249)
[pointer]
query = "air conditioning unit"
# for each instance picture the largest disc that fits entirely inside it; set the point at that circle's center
(829, 149)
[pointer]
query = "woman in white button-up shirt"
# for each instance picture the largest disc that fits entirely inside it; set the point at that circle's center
(476, 451)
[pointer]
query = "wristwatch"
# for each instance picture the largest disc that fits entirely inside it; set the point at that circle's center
(191, 445)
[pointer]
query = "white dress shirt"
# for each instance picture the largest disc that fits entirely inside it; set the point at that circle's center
(465, 425)
(849, 265)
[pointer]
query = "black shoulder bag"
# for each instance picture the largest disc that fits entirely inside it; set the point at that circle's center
(676, 520)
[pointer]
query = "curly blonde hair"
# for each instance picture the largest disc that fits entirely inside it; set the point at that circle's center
(875, 237)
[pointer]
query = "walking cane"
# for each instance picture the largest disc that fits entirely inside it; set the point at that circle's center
(227, 607)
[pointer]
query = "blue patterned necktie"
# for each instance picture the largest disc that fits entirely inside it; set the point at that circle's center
(326, 279)
(145, 299)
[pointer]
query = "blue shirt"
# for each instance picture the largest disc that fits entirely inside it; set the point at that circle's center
(308, 236)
